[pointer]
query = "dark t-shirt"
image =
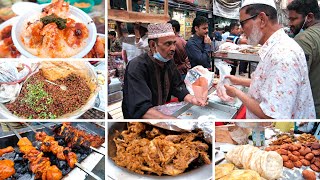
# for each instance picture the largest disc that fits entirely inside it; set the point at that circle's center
(309, 40)
(147, 83)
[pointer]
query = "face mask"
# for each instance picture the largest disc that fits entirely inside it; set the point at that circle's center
(160, 58)
(301, 30)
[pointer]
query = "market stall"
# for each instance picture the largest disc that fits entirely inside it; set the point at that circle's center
(232, 52)
(268, 153)
(84, 31)
(56, 146)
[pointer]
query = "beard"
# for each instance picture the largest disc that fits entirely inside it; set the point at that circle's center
(296, 30)
(255, 36)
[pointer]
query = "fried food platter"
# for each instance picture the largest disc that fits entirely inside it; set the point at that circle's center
(203, 171)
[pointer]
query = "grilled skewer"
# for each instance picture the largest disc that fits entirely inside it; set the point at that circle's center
(76, 137)
(6, 150)
(39, 165)
(62, 153)
(93, 148)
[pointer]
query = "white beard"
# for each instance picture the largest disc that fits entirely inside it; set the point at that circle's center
(255, 36)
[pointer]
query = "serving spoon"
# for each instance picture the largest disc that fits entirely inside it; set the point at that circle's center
(63, 87)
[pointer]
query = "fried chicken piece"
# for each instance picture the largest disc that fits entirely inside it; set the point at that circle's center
(58, 7)
(6, 169)
(6, 150)
(75, 33)
(98, 50)
(5, 32)
(163, 154)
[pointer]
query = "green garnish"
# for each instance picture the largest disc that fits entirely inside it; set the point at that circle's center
(37, 98)
(61, 23)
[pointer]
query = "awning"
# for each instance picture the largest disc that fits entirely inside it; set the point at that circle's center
(227, 8)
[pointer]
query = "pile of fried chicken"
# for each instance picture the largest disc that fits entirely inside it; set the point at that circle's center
(157, 153)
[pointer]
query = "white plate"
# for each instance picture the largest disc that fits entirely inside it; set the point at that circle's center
(19, 8)
(79, 14)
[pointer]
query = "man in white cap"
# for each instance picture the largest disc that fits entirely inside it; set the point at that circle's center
(153, 77)
(280, 86)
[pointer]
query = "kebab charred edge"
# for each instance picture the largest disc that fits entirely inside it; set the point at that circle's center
(50, 145)
(53, 159)
(146, 149)
(76, 137)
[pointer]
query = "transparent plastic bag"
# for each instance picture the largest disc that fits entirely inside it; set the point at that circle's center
(224, 70)
(12, 76)
(198, 81)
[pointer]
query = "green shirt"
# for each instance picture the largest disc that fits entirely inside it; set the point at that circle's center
(309, 40)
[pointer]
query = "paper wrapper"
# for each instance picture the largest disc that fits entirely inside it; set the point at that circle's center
(200, 89)
(187, 126)
(171, 108)
(198, 81)
(239, 134)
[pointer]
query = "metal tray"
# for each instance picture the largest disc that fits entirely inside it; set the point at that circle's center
(219, 111)
(10, 139)
(115, 172)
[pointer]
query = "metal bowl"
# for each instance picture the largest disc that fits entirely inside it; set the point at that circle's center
(115, 172)
(5, 113)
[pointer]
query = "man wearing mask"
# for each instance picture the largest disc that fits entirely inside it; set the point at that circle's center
(153, 77)
(304, 21)
(198, 47)
(280, 86)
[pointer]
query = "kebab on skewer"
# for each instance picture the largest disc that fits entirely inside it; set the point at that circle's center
(6, 166)
(71, 159)
(6, 169)
(50, 145)
(39, 165)
(76, 137)
(6, 150)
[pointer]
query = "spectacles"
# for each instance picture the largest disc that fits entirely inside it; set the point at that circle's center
(242, 23)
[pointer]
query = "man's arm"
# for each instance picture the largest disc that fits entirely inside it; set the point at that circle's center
(306, 45)
(251, 104)
(152, 113)
(198, 56)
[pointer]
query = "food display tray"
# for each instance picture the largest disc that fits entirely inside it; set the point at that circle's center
(213, 110)
(90, 162)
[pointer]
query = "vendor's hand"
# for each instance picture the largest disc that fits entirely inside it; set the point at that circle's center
(207, 40)
(198, 102)
(231, 91)
(233, 79)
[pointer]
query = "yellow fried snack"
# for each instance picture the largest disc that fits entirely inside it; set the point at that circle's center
(223, 170)
(242, 175)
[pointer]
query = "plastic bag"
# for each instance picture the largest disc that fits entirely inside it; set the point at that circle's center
(11, 79)
(224, 69)
(198, 81)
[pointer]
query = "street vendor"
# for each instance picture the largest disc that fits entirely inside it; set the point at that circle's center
(153, 77)
(280, 86)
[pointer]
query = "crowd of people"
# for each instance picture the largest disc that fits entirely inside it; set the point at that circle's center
(284, 85)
